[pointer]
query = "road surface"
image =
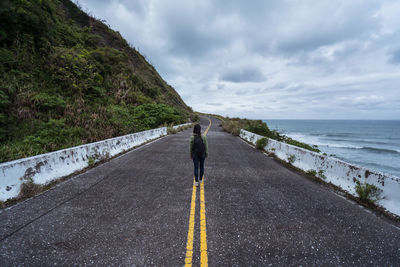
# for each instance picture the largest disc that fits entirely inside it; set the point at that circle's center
(135, 210)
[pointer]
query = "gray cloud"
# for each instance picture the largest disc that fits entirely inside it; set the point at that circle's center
(294, 59)
(334, 23)
(243, 75)
(214, 104)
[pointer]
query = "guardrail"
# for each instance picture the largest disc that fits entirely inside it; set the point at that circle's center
(335, 171)
(45, 168)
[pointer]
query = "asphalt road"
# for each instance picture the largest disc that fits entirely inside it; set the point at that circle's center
(134, 210)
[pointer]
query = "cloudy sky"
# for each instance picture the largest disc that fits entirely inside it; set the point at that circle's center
(275, 59)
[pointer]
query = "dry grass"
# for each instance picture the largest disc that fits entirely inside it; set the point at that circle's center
(29, 189)
(232, 127)
(171, 130)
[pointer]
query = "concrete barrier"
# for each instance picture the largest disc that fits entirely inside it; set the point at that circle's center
(45, 168)
(182, 125)
(335, 171)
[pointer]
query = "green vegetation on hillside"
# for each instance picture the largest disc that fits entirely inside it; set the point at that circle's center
(68, 79)
(233, 126)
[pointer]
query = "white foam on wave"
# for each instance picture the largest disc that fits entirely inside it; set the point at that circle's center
(314, 140)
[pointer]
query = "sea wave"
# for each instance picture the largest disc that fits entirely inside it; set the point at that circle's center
(375, 142)
(315, 140)
(340, 135)
(381, 150)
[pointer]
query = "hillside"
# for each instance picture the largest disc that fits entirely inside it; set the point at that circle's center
(68, 79)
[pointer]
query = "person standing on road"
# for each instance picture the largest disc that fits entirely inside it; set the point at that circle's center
(198, 152)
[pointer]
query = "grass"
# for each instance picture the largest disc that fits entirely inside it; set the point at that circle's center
(368, 193)
(291, 159)
(261, 143)
(171, 130)
(182, 128)
(91, 161)
(232, 127)
(29, 189)
(321, 174)
(312, 172)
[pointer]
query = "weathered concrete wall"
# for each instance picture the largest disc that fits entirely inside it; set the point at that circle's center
(42, 169)
(337, 172)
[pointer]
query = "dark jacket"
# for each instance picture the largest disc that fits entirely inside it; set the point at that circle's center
(192, 141)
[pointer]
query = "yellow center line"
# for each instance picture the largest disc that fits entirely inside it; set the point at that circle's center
(208, 128)
(203, 230)
(189, 244)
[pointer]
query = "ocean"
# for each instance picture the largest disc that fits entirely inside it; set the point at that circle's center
(372, 144)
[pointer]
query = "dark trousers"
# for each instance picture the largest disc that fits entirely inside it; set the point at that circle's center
(196, 161)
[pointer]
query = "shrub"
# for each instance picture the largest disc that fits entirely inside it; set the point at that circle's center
(195, 117)
(293, 142)
(312, 172)
(3, 126)
(73, 70)
(182, 128)
(54, 135)
(171, 130)
(121, 118)
(4, 119)
(97, 91)
(149, 116)
(142, 99)
(152, 91)
(261, 143)
(291, 159)
(321, 174)
(232, 127)
(368, 193)
(91, 161)
(4, 100)
(6, 56)
(46, 102)
(257, 127)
